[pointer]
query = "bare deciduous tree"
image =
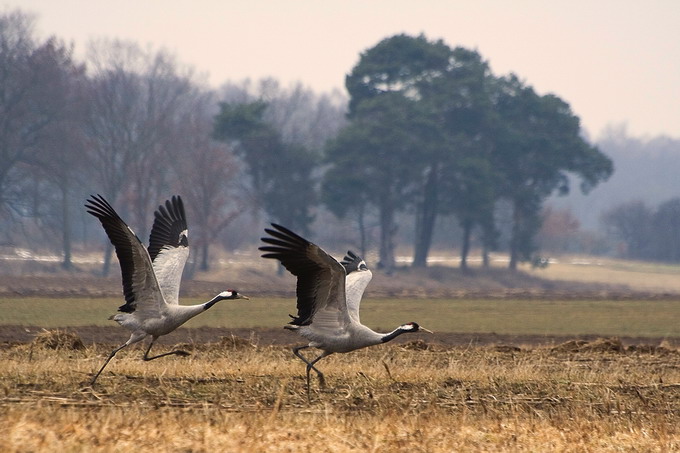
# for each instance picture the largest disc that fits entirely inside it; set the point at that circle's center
(39, 85)
(134, 100)
(34, 95)
(207, 177)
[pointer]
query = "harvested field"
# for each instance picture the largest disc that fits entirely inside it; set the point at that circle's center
(233, 395)
(242, 390)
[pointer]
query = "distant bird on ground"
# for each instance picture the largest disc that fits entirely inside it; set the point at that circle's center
(151, 279)
(328, 297)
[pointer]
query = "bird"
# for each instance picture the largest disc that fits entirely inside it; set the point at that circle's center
(328, 298)
(151, 277)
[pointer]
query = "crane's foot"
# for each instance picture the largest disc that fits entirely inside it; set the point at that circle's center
(178, 352)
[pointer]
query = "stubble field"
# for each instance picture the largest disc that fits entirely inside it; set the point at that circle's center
(233, 395)
(534, 367)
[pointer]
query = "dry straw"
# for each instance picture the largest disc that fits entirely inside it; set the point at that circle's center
(237, 396)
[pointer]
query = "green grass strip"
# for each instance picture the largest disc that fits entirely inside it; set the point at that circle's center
(622, 318)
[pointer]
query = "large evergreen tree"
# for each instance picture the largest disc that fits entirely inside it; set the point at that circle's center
(282, 174)
(458, 178)
(431, 128)
(387, 115)
(537, 145)
(378, 151)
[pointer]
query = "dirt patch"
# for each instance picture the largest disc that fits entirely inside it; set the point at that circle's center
(615, 346)
(249, 337)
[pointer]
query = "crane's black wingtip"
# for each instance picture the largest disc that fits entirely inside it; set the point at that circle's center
(282, 229)
(351, 261)
(351, 257)
(92, 199)
(286, 235)
(268, 248)
(176, 201)
(277, 242)
(97, 206)
(278, 230)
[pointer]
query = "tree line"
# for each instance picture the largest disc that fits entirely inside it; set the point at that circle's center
(427, 131)
(645, 232)
(132, 124)
(432, 131)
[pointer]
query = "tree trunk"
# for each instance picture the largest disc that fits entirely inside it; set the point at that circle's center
(67, 263)
(108, 253)
(426, 218)
(488, 242)
(486, 264)
(205, 262)
(515, 236)
(465, 249)
(361, 221)
(387, 231)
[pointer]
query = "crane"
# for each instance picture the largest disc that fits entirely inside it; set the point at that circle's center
(328, 297)
(151, 278)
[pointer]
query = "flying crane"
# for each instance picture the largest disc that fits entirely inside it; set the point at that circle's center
(151, 278)
(328, 297)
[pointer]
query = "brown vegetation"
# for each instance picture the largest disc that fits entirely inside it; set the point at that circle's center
(58, 339)
(239, 396)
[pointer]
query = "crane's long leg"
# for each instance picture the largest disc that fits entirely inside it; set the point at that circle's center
(296, 351)
(134, 338)
(322, 380)
(153, 340)
(94, 379)
(310, 366)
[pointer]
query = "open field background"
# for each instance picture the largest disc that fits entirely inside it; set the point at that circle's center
(581, 356)
(572, 297)
(565, 277)
(637, 276)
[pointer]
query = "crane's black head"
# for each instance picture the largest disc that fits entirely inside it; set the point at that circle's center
(413, 327)
(231, 294)
(409, 327)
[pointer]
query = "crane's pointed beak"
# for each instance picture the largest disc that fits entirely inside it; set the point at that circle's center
(425, 330)
(241, 296)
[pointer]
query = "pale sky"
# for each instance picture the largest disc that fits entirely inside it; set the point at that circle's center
(613, 61)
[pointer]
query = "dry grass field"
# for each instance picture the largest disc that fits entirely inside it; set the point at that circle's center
(421, 394)
(636, 275)
(237, 397)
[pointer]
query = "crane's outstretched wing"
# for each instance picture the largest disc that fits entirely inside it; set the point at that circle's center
(320, 278)
(169, 247)
(358, 277)
(140, 287)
